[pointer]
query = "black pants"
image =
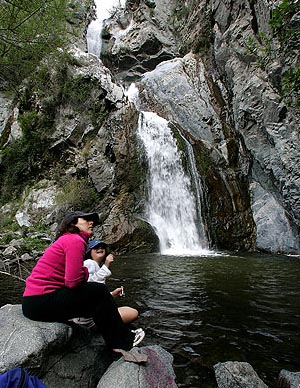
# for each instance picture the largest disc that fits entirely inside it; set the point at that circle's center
(86, 300)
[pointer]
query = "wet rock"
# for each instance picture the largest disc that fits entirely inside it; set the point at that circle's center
(234, 374)
(288, 379)
(270, 215)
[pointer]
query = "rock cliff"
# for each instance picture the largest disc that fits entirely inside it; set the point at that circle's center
(217, 71)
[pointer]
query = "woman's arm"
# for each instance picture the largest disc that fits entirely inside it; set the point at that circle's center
(75, 272)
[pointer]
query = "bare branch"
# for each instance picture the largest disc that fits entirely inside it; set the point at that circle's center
(13, 276)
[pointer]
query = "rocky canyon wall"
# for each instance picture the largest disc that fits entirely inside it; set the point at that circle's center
(198, 64)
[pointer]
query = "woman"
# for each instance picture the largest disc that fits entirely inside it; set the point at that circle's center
(57, 288)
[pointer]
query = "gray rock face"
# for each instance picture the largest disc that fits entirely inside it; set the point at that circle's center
(58, 354)
(270, 215)
(157, 372)
(228, 101)
(5, 103)
(233, 374)
(139, 39)
(267, 127)
(181, 91)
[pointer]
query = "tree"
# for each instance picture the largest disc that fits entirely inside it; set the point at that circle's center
(29, 31)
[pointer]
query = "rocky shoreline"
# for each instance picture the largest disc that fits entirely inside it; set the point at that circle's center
(61, 355)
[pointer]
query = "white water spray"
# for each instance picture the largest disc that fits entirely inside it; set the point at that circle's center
(94, 32)
(171, 207)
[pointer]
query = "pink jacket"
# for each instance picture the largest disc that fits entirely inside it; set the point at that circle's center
(60, 266)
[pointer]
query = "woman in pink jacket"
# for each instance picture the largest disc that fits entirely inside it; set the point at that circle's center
(57, 288)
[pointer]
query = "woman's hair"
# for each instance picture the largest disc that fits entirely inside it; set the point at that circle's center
(67, 226)
(87, 255)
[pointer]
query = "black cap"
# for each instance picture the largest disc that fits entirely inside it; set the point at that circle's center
(87, 216)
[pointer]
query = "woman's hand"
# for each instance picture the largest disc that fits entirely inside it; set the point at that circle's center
(115, 293)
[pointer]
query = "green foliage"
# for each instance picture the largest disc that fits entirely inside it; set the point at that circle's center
(284, 26)
(261, 49)
(7, 237)
(8, 221)
(30, 31)
(77, 194)
(291, 86)
(32, 244)
(77, 91)
(25, 157)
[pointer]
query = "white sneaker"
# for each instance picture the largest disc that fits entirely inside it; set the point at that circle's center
(139, 335)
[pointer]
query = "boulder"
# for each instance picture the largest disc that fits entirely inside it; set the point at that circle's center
(61, 356)
(136, 39)
(269, 215)
(156, 372)
(234, 374)
(288, 379)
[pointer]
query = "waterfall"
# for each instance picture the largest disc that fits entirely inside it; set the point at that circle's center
(171, 206)
(94, 31)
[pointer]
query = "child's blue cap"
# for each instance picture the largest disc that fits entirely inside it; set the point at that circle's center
(96, 243)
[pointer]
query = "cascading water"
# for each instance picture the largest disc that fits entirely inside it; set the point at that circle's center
(171, 206)
(94, 31)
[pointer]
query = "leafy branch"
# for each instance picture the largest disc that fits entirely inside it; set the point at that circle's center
(29, 31)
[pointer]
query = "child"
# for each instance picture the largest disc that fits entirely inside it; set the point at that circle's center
(97, 254)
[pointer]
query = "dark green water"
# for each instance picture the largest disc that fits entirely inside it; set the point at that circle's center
(204, 310)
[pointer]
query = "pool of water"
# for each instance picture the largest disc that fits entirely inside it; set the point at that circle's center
(205, 310)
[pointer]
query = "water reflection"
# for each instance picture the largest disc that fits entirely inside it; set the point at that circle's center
(205, 310)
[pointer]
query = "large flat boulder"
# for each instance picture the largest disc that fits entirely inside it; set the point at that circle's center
(25, 342)
(61, 356)
(156, 372)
